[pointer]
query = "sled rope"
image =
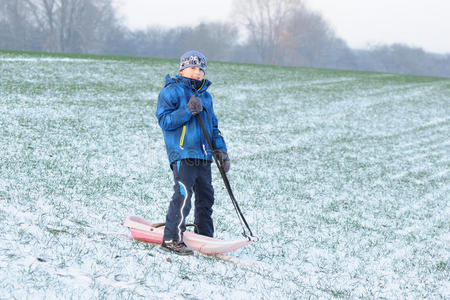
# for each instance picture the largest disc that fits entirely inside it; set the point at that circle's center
(227, 183)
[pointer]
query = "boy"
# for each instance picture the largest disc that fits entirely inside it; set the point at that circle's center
(181, 99)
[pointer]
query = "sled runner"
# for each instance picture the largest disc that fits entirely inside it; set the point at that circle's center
(145, 231)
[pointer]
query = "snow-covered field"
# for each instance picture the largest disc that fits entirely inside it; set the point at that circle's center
(344, 177)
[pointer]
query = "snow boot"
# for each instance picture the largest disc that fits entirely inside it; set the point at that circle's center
(176, 247)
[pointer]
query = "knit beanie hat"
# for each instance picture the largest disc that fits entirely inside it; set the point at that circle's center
(193, 59)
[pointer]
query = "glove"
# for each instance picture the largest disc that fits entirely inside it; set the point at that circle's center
(224, 160)
(195, 105)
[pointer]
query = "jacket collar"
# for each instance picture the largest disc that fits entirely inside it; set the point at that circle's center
(189, 83)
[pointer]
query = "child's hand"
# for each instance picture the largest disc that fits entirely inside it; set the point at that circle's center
(222, 156)
(195, 105)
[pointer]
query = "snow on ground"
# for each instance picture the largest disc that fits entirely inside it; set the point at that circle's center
(342, 175)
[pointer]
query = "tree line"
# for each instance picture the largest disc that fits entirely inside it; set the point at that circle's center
(275, 32)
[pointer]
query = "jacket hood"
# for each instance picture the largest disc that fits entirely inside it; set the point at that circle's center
(190, 83)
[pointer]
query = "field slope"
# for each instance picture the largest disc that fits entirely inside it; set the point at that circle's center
(343, 175)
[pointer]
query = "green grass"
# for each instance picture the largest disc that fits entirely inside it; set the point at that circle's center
(343, 175)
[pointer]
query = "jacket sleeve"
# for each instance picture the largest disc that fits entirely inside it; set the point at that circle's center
(169, 113)
(217, 135)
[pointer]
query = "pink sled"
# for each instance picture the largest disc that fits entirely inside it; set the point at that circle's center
(145, 231)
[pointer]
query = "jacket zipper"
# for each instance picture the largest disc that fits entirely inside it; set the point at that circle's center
(203, 140)
(196, 94)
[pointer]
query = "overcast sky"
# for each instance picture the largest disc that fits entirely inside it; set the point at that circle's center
(422, 23)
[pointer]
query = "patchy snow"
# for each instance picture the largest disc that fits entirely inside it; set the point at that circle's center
(342, 175)
(48, 59)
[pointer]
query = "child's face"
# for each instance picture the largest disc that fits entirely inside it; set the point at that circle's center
(193, 73)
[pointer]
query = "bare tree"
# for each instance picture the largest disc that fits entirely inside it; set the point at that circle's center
(70, 25)
(286, 32)
(265, 23)
(312, 42)
(216, 40)
(14, 25)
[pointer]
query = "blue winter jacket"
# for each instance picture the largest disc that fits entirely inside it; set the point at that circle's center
(182, 132)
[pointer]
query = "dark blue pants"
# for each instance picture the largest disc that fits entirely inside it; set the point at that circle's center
(191, 177)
